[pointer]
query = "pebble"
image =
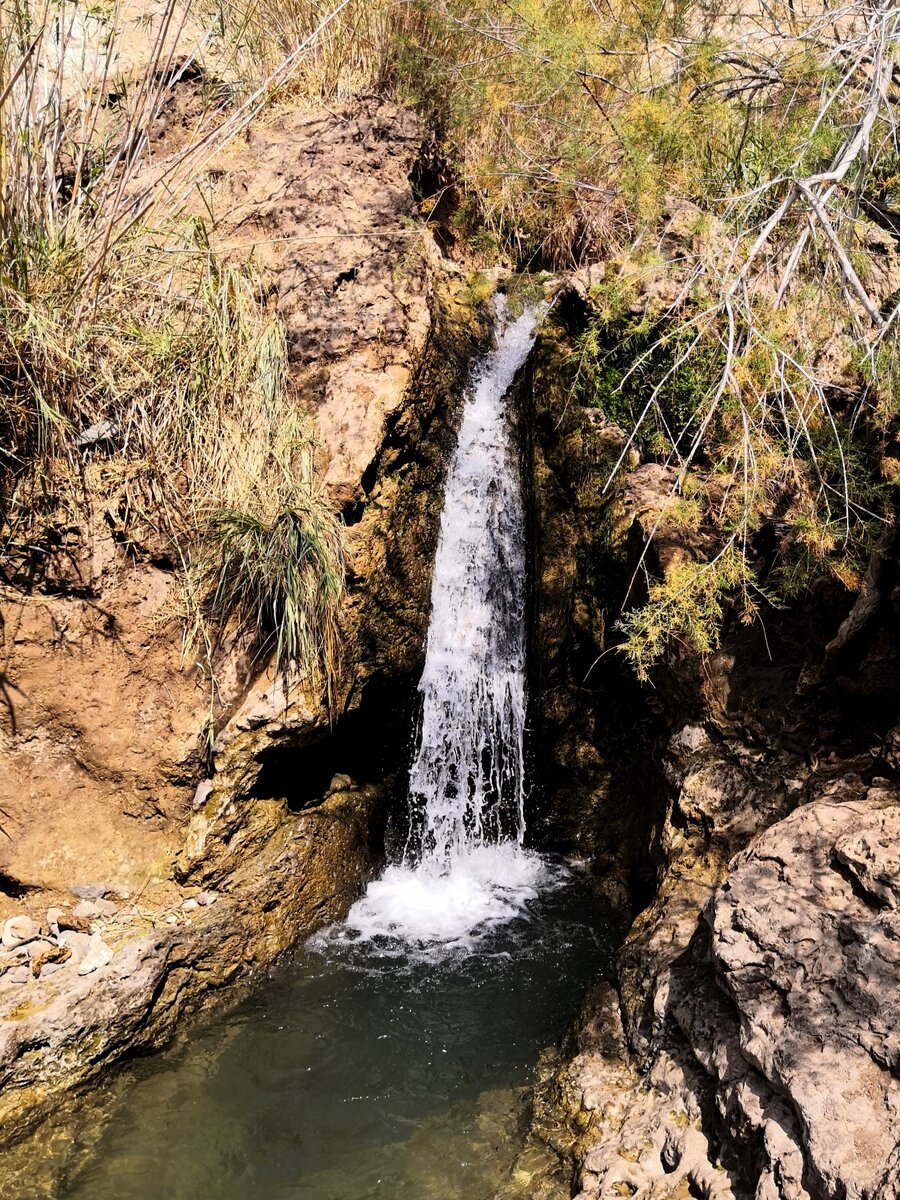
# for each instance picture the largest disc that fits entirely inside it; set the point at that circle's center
(206, 898)
(98, 955)
(41, 946)
(18, 930)
(171, 919)
(17, 975)
(90, 891)
(97, 891)
(77, 924)
(190, 904)
(77, 942)
(92, 909)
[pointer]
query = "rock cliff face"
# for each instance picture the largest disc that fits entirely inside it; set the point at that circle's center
(748, 1048)
(597, 776)
(746, 805)
(208, 859)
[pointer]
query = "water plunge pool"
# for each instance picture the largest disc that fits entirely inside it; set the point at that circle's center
(363, 1068)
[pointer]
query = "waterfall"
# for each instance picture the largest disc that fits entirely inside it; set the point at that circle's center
(467, 780)
(464, 869)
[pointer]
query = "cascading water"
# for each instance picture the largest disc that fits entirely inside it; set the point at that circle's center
(464, 868)
(467, 781)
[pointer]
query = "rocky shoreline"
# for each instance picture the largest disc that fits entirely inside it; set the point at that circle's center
(134, 970)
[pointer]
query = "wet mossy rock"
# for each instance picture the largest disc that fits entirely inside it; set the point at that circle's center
(588, 714)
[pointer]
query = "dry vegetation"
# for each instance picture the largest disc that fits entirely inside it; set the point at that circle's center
(142, 382)
(727, 165)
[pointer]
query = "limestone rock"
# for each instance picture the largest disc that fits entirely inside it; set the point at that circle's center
(780, 1016)
(644, 1137)
(98, 955)
(39, 946)
(805, 940)
(19, 930)
(90, 891)
(77, 942)
(90, 910)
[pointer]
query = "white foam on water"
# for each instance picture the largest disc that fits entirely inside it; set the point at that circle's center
(455, 908)
(465, 870)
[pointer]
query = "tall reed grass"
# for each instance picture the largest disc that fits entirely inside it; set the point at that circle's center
(138, 373)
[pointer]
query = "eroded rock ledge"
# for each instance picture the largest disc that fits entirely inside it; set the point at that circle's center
(769, 1066)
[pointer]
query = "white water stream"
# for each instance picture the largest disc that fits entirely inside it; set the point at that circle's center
(465, 869)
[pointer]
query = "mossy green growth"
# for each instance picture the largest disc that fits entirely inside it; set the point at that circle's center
(525, 289)
(626, 364)
(477, 290)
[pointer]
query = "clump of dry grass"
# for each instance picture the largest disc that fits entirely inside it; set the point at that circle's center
(139, 372)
